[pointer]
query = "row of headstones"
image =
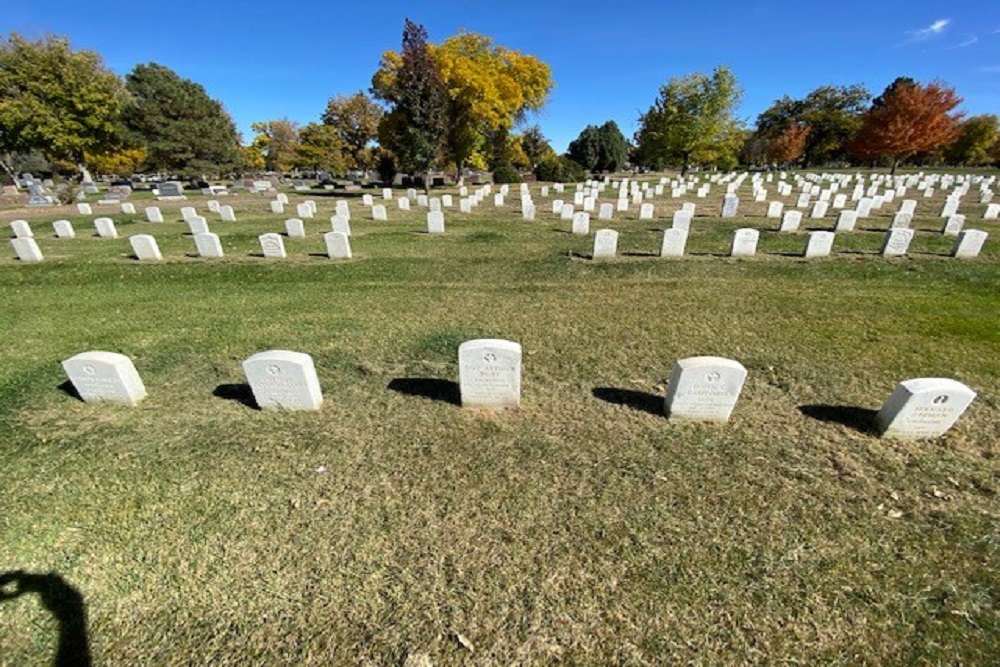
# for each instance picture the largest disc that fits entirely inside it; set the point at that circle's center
(700, 388)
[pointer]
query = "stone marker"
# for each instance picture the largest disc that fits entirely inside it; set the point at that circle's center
(681, 220)
(435, 222)
(605, 244)
(790, 221)
(581, 223)
(969, 243)
(818, 244)
(567, 212)
(105, 377)
(303, 210)
(606, 212)
(646, 212)
(283, 380)
(896, 242)
(84, 209)
(227, 213)
(21, 229)
(992, 212)
(171, 189)
(367, 200)
(557, 205)
(213, 205)
(378, 212)
(145, 248)
(489, 372)
(403, 203)
(846, 221)
(704, 389)
(340, 223)
(901, 221)
(153, 214)
(128, 208)
(105, 228)
(277, 207)
(208, 245)
(745, 242)
(674, 240)
(295, 228)
(953, 225)
(197, 225)
(819, 209)
(730, 204)
(27, 249)
(272, 245)
(188, 212)
(63, 229)
(923, 408)
(338, 245)
(774, 209)
(528, 211)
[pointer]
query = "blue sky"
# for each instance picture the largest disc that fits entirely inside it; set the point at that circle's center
(267, 60)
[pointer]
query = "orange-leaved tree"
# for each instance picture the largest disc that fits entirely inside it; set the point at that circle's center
(908, 118)
(790, 144)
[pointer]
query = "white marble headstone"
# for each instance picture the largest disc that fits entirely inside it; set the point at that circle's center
(277, 207)
(581, 223)
(923, 408)
(153, 214)
(846, 221)
(340, 223)
(63, 229)
(704, 389)
(208, 245)
(606, 211)
(272, 245)
(27, 249)
(605, 244)
(489, 373)
(818, 244)
(744, 242)
(774, 209)
(283, 380)
(105, 228)
(145, 248)
(295, 228)
(897, 242)
(378, 212)
(197, 224)
(338, 245)
(646, 212)
(674, 240)
(730, 204)
(105, 377)
(435, 222)
(969, 243)
(21, 229)
(790, 221)
(303, 210)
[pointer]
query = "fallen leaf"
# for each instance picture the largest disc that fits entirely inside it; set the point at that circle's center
(464, 641)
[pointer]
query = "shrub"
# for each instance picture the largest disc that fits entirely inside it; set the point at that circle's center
(505, 173)
(559, 170)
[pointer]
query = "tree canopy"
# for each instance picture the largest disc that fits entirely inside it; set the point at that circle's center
(355, 119)
(277, 141)
(978, 142)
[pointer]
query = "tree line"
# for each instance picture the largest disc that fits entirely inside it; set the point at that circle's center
(461, 104)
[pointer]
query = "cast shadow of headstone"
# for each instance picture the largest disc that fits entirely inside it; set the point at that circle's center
(66, 605)
(859, 419)
(70, 390)
(241, 393)
(435, 389)
(637, 400)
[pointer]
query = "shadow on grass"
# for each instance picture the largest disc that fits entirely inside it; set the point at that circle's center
(241, 393)
(639, 253)
(860, 419)
(637, 400)
(784, 254)
(66, 605)
(68, 388)
(435, 389)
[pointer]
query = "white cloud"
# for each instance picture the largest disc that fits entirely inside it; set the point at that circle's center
(933, 29)
(968, 41)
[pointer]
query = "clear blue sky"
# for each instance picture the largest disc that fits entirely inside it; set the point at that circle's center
(267, 60)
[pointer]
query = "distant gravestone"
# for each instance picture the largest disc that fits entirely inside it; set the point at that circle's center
(581, 223)
(272, 245)
(283, 380)
(953, 225)
(27, 249)
(105, 228)
(386, 194)
(464, 205)
(145, 248)
(63, 229)
(606, 212)
(403, 203)
(213, 205)
(303, 210)
(295, 228)
(277, 207)
(84, 209)
(340, 223)
(528, 211)
(818, 244)
(646, 212)
(992, 212)
(567, 212)
(171, 189)
(435, 222)
(557, 205)
(950, 207)
(774, 209)
(367, 200)
(790, 221)
(104, 377)
(969, 243)
(490, 373)
(338, 245)
(681, 220)
(908, 206)
(128, 208)
(744, 242)
(605, 244)
(730, 204)
(21, 229)
(846, 221)
(896, 242)
(197, 225)
(447, 201)
(421, 200)
(153, 214)
(674, 240)
(188, 212)
(901, 221)
(208, 245)
(704, 389)
(378, 212)
(923, 408)
(819, 209)
(227, 213)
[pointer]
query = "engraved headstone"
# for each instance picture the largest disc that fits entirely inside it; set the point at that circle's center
(490, 373)
(107, 377)
(704, 389)
(901, 221)
(153, 214)
(295, 228)
(403, 203)
(272, 245)
(896, 242)
(303, 210)
(128, 208)
(277, 207)
(774, 209)
(745, 242)
(953, 225)
(338, 245)
(581, 223)
(606, 212)
(188, 212)
(818, 244)
(992, 212)
(105, 228)
(283, 380)
(197, 225)
(846, 221)
(27, 249)
(171, 189)
(227, 213)
(63, 229)
(340, 223)
(674, 240)
(605, 244)
(208, 245)
(84, 209)
(969, 243)
(21, 229)
(730, 204)
(646, 212)
(790, 221)
(378, 212)
(435, 222)
(923, 408)
(567, 212)
(145, 248)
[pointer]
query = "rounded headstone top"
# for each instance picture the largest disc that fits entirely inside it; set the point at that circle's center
(280, 355)
(491, 342)
(696, 362)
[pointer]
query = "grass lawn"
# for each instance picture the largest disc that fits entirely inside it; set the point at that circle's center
(582, 528)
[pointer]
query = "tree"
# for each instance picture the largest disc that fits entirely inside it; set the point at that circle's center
(790, 144)
(535, 146)
(184, 131)
(278, 140)
(415, 128)
(60, 102)
(978, 142)
(691, 122)
(585, 149)
(320, 148)
(355, 120)
(612, 148)
(123, 162)
(907, 119)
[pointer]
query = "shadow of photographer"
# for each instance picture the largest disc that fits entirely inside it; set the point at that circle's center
(66, 605)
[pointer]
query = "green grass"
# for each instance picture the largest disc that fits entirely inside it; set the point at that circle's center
(583, 528)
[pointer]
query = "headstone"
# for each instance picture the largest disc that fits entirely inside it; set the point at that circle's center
(464, 205)
(704, 389)
(277, 207)
(272, 245)
(901, 221)
(897, 242)
(846, 221)
(953, 225)
(421, 200)
(367, 200)
(84, 209)
(197, 225)
(283, 380)
(774, 209)
(908, 206)
(303, 210)
(790, 221)
(145, 248)
(992, 212)
(404, 203)
(606, 212)
(153, 214)
(63, 229)
(105, 228)
(490, 373)
(295, 228)
(105, 377)
(227, 213)
(730, 204)
(21, 229)
(128, 208)
(281, 197)
(27, 249)
(447, 201)
(745, 242)
(605, 244)
(818, 244)
(340, 223)
(378, 212)
(528, 211)
(950, 207)
(819, 209)
(567, 212)
(213, 205)
(171, 189)
(923, 408)
(208, 245)
(386, 194)
(581, 223)
(338, 245)
(969, 243)
(646, 212)
(557, 205)
(188, 212)
(435, 222)
(674, 240)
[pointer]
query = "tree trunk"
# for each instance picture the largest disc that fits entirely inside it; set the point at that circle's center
(895, 163)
